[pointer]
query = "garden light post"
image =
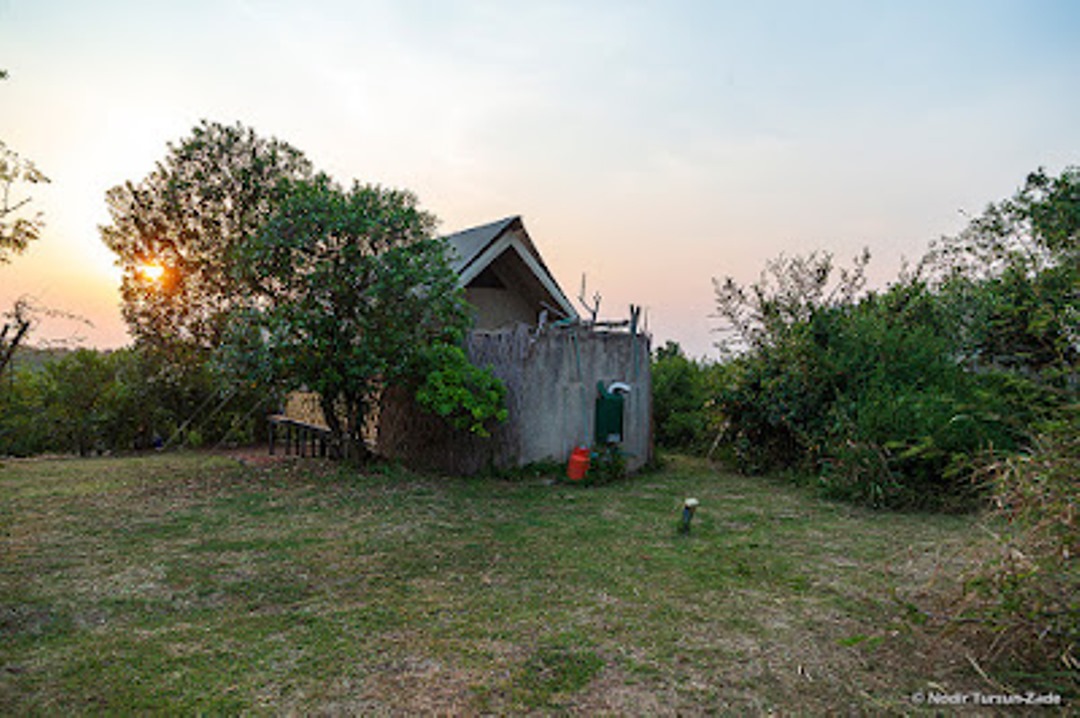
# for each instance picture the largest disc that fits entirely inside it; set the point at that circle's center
(689, 506)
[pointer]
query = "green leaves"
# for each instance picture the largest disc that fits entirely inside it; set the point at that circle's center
(680, 390)
(354, 294)
(212, 191)
(1013, 278)
(470, 398)
(893, 397)
(16, 231)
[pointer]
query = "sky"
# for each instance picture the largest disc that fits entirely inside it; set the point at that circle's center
(649, 146)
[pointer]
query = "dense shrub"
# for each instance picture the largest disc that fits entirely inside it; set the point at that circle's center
(23, 432)
(1023, 599)
(680, 397)
(87, 401)
(890, 398)
(869, 396)
(468, 397)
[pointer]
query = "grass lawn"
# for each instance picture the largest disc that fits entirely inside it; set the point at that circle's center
(189, 582)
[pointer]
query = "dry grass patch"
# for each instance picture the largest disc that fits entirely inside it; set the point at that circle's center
(189, 582)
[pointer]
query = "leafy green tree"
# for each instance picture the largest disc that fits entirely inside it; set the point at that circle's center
(22, 408)
(356, 292)
(862, 390)
(1012, 279)
(680, 395)
(80, 389)
(176, 232)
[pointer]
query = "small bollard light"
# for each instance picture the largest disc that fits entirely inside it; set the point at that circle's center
(689, 506)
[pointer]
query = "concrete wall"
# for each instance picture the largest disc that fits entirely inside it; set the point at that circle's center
(551, 382)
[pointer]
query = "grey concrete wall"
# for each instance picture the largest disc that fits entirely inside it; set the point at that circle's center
(558, 393)
(551, 382)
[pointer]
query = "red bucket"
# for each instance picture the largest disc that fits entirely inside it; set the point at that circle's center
(578, 465)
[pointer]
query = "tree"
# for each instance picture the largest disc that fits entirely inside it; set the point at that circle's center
(17, 323)
(354, 293)
(891, 397)
(16, 233)
(1012, 278)
(80, 389)
(864, 391)
(176, 232)
(787, 294)
(679, 397)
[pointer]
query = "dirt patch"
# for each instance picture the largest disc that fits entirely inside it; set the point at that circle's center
(256, 456)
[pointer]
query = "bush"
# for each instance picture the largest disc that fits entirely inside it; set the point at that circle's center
(22, 431)
(892, 398)
(607, 463)
(682, 409)
(1024, 597)
(866, 394)
(87, 401)
(468, 397)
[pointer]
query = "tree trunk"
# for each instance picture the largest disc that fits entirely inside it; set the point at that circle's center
(346, 441)
(20, 325)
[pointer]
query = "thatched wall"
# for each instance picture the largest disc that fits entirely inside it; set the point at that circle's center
(304, 406)
(551, 380)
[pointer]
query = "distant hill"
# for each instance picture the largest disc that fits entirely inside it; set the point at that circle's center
(34, 358)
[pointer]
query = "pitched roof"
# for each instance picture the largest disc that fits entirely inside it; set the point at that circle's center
(468, 244)
(475, 248)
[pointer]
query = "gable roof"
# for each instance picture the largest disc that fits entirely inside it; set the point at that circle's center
(475, 249)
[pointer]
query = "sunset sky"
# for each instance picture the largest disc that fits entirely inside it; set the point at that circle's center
(650, 145)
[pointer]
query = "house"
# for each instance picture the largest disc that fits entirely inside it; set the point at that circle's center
(559, 371)
(504, 277)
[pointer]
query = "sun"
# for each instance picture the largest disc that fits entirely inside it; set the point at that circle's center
(151, 271)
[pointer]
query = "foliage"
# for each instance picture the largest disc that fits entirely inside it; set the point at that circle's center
(16, 230)
(355, 291)
(213, 191)
(902, 420)
(787, 295)
(16, 233)
(680, 398)
(1012, 280)
(88, 401)
(607, 463)
(22, 431)
(80, 398)
(468, 397)
(890, 397)
(864, 391)
(188, 217)
(1025, 594)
